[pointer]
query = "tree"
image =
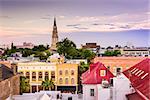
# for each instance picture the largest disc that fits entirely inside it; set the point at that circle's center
(24, 84)
(39, 48)
(47, 84)
(83, 67)
(112, 53)
(87, 54)
(64, 46)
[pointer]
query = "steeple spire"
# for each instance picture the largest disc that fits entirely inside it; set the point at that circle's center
(54, 21)
(54, 36)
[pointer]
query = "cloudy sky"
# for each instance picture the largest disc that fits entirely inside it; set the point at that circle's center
(107, 22)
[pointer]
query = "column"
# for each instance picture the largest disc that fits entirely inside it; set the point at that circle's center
(37, 76)
(55, 87)
(49, 73)
(30, 76)
(30, 88)
(43, 75)
(37, 88)
(24, 73)
(77, 89)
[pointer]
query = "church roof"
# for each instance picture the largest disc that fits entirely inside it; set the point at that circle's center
(93, 75)
(139, 75)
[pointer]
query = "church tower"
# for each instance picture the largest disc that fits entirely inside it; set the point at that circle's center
(54, 36)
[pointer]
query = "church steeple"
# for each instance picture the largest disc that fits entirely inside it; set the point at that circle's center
(54, 36)
(55, 21)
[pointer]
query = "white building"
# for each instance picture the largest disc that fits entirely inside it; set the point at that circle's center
(144, 52)
(76, 61)
(97, 75)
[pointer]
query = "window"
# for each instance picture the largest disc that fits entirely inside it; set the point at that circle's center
(72, 72)
(91, 92)
(33, 76)
(60, 81)
(72, 81)
(21, 73)
(108, 67)
(27, 75)
(102, 72)
(60, 72)
(118, 70)
(40, 76)
(66, 72)
(46, 75)
(53, 75)
(66, 81)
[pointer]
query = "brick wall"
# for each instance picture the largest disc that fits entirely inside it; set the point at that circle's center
(9, 86)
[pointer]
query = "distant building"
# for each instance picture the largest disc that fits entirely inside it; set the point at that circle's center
(22, 59)
(9, 82)
(76, 61)
(97, 75)
(56, 58)
(54, 37)
(92, 46)
(1, 51)
(25, 45)
(144, 52)
(118, 64)
(4, 46)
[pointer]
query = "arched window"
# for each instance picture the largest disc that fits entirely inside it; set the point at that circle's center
(60, 72)
(27, 75)
(72, 80)
(60, 81)
(53, 75)
(40, 76)
(66, 72)
(46, 75)
(66, 81)
(72, 72)
(33, 76)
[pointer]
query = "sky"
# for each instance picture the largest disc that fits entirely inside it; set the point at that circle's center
(107, 22)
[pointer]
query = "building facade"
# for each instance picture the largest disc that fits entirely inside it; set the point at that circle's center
(67, 77)
(118, 64)
(92, 46)
(9, 82)
(136, 52)
(37, 72)
(26, 45)
(63, 75)
(97, 75)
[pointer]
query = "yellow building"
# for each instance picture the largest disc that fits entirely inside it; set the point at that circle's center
(62, 75)
(67, 77)
(37, 72)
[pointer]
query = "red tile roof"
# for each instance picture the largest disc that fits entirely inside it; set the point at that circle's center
(92, 76)
(139, 75)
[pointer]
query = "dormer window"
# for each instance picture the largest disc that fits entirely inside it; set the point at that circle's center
(102, 72)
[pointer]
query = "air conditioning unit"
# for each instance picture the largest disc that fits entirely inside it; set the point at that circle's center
(105, 84)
